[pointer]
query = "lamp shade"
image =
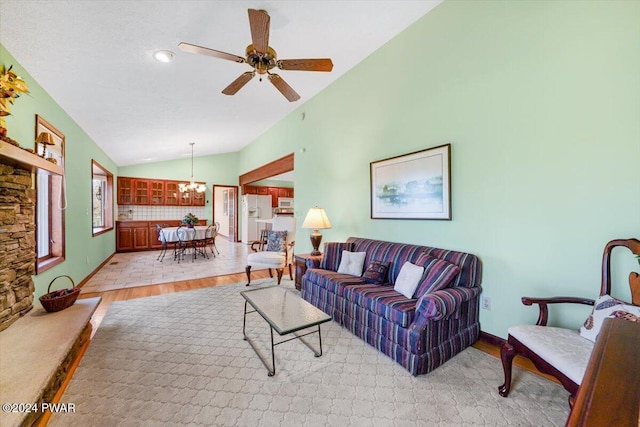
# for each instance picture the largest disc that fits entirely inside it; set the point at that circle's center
(45, 138)
(316, 219)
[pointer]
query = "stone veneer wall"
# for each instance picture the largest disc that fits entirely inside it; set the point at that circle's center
(17, 243)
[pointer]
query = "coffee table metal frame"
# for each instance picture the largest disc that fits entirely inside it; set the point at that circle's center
(321, 317)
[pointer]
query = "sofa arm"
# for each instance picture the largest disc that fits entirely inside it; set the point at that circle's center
(442, 304)
(313, 262)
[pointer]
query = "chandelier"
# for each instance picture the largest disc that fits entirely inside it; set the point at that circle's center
(192, 186)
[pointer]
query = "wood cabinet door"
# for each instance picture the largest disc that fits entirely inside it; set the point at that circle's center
(156, 191)
(141, 191)
(185, 199)
(199, 198)
(273, 192)
(124, 239)
(171, 193)
(141, 237)
(285, 192)
(249, 189)
(125, 191)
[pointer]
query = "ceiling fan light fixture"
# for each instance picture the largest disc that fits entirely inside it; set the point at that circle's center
(163, 55)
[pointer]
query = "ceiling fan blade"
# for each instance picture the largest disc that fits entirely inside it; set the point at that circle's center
(284, 88)
(192, 48)
(238, 83)
(320, 64)
(259, 23)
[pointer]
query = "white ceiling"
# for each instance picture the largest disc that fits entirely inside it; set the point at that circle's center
(95, 59)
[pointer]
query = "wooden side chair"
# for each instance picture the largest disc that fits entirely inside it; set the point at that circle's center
(559, 352)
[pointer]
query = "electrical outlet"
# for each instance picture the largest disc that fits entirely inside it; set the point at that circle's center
(485, 302)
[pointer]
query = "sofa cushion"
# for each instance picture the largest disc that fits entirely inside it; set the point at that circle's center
(383, 301)
(332, 254)
(408, 280)
(570, 358)
(376, 272)
(438, 274)
(351, 263)
(332, 281)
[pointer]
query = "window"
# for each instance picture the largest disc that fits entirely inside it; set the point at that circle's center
(101, 199)
(50, 200)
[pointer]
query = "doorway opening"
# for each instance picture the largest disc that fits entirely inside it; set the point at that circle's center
(225, 210)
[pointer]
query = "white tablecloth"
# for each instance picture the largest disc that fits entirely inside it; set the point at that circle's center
(170, 233)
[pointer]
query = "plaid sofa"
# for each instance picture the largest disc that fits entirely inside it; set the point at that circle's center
(420, 334)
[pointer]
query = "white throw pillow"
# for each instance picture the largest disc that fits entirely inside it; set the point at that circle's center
(607, 306)
(351, 263)
(408, 279)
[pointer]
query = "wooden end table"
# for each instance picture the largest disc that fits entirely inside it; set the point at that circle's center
(300, 262)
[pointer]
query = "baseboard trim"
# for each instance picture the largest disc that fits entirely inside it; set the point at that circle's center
(492, 339)
(93, 273)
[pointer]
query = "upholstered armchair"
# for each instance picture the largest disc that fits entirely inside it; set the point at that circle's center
(564, 353)
(275, 249)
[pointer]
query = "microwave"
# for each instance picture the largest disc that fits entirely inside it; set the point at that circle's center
(285, 202)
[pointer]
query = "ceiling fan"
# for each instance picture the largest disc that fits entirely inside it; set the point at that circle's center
(262, 58)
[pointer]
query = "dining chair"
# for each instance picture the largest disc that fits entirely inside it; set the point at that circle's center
(182, 244)
(215, 234)
(163, 239)
(209, 240)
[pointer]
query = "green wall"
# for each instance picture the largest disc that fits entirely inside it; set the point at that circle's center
(541, 103)
(84, 253)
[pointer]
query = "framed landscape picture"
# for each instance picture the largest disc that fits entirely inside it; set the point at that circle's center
(412, 186)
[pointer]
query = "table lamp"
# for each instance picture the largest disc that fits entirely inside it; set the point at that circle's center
(45, 138)
(316, 219)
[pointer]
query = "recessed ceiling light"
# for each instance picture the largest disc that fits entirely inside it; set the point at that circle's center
(164, 55)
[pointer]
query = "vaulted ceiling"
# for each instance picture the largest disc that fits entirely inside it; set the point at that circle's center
(95, 59)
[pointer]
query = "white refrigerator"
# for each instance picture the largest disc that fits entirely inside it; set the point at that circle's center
(254, 207)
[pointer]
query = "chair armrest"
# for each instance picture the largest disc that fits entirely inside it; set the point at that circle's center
(543, 316)
(441, 304)
(256, 242)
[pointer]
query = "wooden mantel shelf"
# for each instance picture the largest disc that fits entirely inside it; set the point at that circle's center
(13, 155)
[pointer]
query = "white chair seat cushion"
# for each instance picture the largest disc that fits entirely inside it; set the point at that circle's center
(267, 259)
(562, 348)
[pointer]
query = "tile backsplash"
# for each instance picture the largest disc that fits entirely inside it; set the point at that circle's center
(145, 213)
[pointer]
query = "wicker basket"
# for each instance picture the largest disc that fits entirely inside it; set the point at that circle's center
(61, 299)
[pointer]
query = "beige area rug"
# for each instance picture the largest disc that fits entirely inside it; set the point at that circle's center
(179, 359)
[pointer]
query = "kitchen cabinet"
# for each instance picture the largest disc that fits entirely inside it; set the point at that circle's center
(199, 199)
(171, 193)
(142, 235)
(132, 235)
(274, 192)
(158, 192)
(125, 191)
(141, 191)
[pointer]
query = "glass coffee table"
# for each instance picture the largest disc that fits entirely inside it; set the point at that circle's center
(286, 313)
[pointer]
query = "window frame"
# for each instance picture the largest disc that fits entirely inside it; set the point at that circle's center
(107, 198)
(56, 219)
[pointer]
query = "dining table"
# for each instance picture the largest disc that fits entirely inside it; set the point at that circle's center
(190, 239)
(170, 234)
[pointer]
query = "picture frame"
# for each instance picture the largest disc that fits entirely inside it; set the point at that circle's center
(55, 151)
(412, 186)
